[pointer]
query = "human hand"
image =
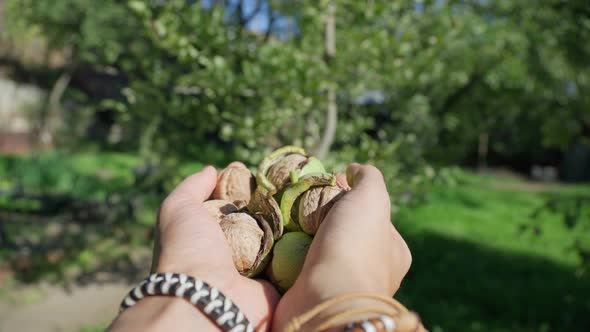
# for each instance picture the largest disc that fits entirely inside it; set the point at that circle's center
(190, 241)
(356, 249)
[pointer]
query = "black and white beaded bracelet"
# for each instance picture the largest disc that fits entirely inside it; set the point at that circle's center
(209, 300)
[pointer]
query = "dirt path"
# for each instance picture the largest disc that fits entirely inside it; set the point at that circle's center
(521, 183)
(46, 307)
(54, 309)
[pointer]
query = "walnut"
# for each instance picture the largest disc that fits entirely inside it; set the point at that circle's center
(218, 208)
(245, 239)
(235, 184)
(315, 204)
(284, 167)
(280, 171)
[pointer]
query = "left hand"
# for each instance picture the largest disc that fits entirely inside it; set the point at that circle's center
(190, 241)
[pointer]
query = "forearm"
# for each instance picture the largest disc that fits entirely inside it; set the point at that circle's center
(162, 314)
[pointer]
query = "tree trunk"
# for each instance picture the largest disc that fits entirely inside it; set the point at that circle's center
(51, 119)
(332, 109)
(482, 151)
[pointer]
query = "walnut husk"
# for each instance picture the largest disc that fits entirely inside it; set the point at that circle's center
(280, 171)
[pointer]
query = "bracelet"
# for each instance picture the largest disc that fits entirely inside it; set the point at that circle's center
(381, 324)
(401, 322)
(209, 300)
(393, 317)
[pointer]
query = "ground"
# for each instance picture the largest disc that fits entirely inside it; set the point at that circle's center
(51, 308)
(477, 266)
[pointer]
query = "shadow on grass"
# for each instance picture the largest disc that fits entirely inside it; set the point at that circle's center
(457, 285)
(68, 252)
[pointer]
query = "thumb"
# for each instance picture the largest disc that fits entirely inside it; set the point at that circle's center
(198, 186)
(184, 202)
(367, 200)
(186, 233)
(359, 214)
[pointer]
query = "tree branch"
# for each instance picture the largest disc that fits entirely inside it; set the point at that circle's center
(453, 98)
(49, 119)
(244, 20)
(271, 22)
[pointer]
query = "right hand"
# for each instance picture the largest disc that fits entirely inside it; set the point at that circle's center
(356, 249)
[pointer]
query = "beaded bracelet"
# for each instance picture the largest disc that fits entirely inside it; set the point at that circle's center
(209, 300)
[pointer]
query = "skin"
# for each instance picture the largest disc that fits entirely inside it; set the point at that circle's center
(343, 258)
(356, 249)
(190, 241)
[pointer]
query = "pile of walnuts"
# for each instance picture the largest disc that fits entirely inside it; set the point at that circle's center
(269, 219)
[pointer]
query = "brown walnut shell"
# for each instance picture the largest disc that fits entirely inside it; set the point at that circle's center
(245, 239)
(279, 172)
(235, 184)
(315, 204)
(218, 208)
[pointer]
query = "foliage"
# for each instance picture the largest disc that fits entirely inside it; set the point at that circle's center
(419, 84)
(65, 217)
(411, 75)
(475, 270)
(574, 209)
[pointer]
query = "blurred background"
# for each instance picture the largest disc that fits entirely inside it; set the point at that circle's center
(476, 111)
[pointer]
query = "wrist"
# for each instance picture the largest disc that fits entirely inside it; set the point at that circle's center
(160, 313)
(222, 279)
(375, 310)
(312, 288)
(319, 287)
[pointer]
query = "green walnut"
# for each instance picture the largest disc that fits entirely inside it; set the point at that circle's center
(285, 166)
(277, 211)
(289, 210)
(287, 260)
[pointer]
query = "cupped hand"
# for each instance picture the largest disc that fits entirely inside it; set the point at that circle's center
(190, 241)
(356, 249)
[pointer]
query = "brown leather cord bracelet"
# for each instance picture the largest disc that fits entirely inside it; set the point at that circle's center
(393, 317)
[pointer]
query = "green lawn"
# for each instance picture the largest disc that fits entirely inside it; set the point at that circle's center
(474, 270)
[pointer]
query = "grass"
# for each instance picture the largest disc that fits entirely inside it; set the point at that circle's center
(475, 270)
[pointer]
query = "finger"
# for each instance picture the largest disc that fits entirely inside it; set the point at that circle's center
(365, 177)
(197, 187)
(341, 181)
(368, 188)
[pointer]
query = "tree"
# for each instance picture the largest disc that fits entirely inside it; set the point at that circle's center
(245, 76)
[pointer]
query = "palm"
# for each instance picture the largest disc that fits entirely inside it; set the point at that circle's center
(191, 241)
(257, 298)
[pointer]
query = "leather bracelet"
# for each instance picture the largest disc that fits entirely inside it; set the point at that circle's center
(209, 300)
(380, 324)
(390, 316)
